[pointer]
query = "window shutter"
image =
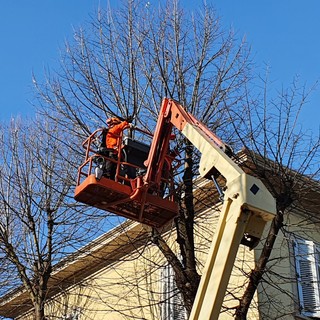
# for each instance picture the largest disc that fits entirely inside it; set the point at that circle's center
(172, 307)
(74, 315)
(307, 267)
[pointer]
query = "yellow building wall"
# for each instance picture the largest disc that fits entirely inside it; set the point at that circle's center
(131, 287)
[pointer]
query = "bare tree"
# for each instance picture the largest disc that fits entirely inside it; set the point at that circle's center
(125, 62)
(39, 223)
(128, 61)
(286, 157)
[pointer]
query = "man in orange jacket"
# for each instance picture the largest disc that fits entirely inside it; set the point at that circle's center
(115, 128)
(109, 147)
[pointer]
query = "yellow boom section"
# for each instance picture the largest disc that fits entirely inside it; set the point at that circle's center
(247, 207)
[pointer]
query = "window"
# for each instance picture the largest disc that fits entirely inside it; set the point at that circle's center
(172, 307)
(307, 260)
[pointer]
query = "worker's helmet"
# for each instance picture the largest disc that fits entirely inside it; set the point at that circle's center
(113, 121)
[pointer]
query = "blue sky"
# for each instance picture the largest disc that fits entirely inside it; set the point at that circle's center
(32, 32)
(283, 35)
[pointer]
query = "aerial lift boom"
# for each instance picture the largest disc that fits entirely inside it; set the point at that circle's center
(247, 204)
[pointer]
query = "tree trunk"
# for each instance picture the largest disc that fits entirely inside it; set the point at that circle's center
(39, 310)
(185, 234)
(257, 273)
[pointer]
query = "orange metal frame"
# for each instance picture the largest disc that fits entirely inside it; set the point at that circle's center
(134, 199)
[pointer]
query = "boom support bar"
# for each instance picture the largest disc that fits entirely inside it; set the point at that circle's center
(247, 207)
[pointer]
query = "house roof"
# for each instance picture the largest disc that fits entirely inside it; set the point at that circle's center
(86, 261)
